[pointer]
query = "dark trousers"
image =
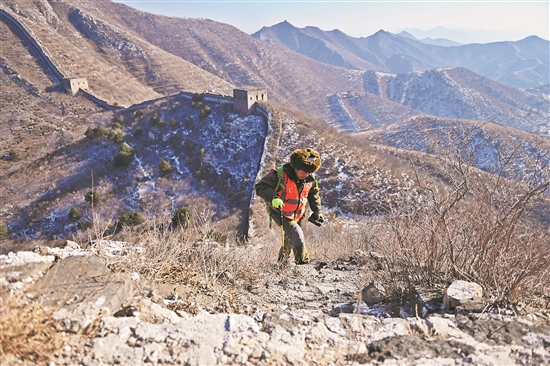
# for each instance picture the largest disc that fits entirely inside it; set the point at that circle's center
(293, 239)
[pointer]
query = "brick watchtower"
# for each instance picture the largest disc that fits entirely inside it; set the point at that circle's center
(245, 98)
(72, 85)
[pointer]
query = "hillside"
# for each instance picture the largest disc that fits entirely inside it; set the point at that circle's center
(354, 112)
(542, 91)
(120, 68)
(198, 150)
(460, 93)
(293, 80)
(424, 133)
(149, 64)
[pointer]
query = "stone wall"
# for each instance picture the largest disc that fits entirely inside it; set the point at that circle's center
(261, 165)
(42, 52)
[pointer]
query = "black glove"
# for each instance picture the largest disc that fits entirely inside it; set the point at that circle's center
(316, 219)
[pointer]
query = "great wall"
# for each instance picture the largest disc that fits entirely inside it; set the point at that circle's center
(49, 63)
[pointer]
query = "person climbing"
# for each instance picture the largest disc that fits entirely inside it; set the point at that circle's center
(287, 190)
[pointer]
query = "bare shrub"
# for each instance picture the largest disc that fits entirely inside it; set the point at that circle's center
(154, 119)
(82, 225)
(138, 132)
(14, 155)
(101, 132)
(338, 239)
(181, 218)
(74, 213)
(471, 225)
(165, 167)
(205, 112)
(129, 219)
(196, 102)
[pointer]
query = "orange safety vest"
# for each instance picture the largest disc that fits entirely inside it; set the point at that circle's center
(294, 201)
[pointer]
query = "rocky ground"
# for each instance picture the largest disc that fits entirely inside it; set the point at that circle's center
(302, 315)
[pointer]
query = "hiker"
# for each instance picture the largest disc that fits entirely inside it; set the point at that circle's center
(290, 188)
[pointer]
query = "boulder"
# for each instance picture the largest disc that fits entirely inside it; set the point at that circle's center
(471, 306)
(72, 244)
(425, 300)
(460, 291)
(373, 293)
(22, 267)
(80, 289)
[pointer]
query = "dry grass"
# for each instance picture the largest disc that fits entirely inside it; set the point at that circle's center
(203, 255)
(27, 332)
(338, 239)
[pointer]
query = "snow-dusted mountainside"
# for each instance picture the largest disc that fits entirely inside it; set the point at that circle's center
(355, 112)
(521, 64)
(460, 93)
(427, 133)
(212, 160)
(542, 91)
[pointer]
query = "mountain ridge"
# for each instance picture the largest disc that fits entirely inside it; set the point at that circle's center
(521, 64)
(436, 42)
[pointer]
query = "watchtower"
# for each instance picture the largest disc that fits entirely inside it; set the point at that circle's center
(245, 98)
(72, 85)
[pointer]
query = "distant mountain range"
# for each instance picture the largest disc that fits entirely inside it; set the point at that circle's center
(428, 40)
(521, 64)
(466, 35)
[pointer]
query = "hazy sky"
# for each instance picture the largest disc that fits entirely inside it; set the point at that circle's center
(361, 18)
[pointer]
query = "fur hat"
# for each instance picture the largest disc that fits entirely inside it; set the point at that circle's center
(307, 160)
